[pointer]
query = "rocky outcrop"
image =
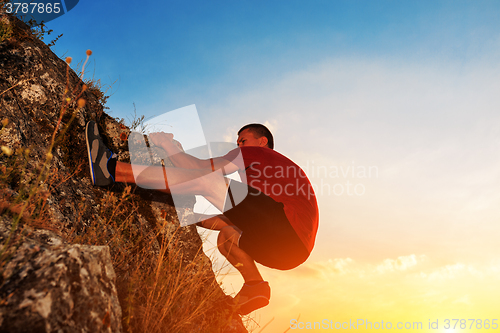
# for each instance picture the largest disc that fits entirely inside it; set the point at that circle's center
(73, 257)
(53, 286)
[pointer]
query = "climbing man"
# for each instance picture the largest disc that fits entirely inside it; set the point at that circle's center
(273, 223)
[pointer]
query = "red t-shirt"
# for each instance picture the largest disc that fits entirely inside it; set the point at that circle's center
(281, 179)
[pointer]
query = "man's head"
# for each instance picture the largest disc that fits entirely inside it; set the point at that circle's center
(255, 135)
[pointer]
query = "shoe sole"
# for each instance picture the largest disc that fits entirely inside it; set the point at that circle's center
(252, 305)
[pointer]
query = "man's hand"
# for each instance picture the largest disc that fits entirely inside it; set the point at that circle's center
(180, 159)
(161, 138)
(165, 141)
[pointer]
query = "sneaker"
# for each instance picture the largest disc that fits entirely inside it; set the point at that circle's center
(251, 298)
(101, 170)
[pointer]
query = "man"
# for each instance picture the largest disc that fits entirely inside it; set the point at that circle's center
(274, 223)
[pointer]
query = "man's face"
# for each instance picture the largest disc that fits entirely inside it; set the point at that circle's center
(248, 139)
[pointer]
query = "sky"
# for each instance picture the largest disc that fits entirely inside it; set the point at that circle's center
(391, 108)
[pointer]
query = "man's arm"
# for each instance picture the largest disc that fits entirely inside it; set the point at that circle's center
(183, 160)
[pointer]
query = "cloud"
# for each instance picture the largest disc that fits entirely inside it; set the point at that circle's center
(271, 125)
(454, 271)
(400, 264)
(463, 300)
(231, 134)
(343, 266)
(325, 269)
(414, 267)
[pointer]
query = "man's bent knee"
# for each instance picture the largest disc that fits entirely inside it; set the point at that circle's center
(228, 236)
(214, 222)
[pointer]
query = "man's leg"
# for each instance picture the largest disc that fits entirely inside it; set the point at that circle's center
(255, 292)
(105, 169)
(227, 243)
(212, 185)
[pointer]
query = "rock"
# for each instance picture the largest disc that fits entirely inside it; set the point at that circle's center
(52, 286)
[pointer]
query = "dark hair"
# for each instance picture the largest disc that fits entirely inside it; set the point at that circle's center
(259, 131)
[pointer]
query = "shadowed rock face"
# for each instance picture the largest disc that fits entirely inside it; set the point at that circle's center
(54, 277)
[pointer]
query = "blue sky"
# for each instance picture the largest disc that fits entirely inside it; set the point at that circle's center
(169, 54)
(408, 87)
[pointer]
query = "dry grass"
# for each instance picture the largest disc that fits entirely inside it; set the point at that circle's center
(160, 291)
